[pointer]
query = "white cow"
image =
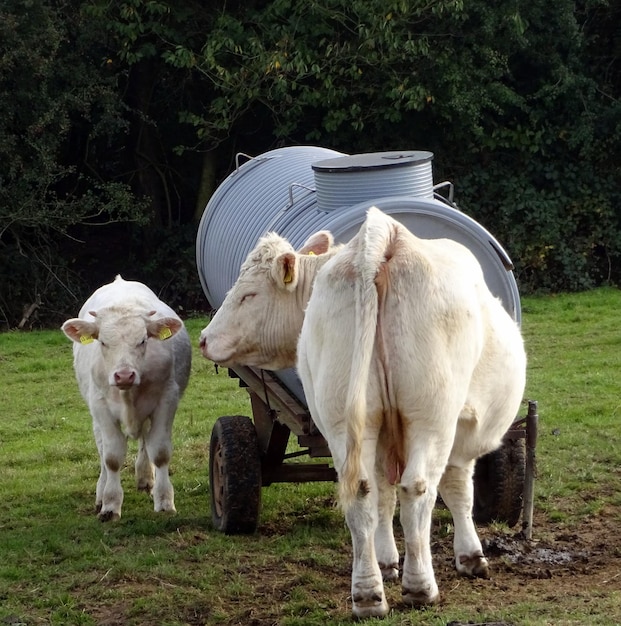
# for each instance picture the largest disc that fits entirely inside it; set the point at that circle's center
(411, 370)
(132, 358)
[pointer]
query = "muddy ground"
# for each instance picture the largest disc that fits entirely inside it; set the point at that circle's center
(569, 569)
(557, 579)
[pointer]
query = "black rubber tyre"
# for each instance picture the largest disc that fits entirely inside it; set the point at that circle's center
(235, 475)
(499, 484)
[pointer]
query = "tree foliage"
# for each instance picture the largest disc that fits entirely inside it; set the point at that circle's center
(119, 119)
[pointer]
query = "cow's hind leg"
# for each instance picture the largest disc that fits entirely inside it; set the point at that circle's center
(367, 588)
(385, 546)
(143, 468)
(426, 458)
(417, 499)
(456, 489)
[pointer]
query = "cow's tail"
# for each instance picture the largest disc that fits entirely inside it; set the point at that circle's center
(373, 241)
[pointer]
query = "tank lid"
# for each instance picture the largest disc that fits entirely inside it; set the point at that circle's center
(373, 160)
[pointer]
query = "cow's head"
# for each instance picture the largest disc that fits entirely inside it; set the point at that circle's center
(122, 336)
(261, 317)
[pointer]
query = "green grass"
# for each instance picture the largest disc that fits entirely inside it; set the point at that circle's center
(574, 348)
(60, 565)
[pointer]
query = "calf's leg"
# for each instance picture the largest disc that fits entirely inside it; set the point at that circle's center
(159, 449)
(143, 468)
(113, 452)
(103, 472)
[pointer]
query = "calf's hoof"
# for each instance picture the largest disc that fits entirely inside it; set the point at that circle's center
(473, 565)
(145, 485)
(109, 516)
(166, 506)
(373, 606)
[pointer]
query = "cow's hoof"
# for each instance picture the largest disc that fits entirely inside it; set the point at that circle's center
(98, 506)
(109, 516)
(473, 566)
(420, 597)
(374, 606)
(390, 573)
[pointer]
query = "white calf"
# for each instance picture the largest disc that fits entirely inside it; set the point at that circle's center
(132, 358)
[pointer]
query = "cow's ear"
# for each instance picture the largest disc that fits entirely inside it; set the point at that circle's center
(285, 270)
(318, 243)
(163, 328)
(80, 331)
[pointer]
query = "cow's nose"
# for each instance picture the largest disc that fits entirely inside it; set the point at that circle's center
(202, 344)
(124, 378)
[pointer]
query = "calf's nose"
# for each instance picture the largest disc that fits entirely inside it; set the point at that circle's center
(124, 378)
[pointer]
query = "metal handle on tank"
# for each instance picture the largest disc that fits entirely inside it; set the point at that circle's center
(241, 154)
(451, 194)
(291, 186)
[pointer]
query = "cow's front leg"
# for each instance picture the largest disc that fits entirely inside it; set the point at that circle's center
(417, 498)
(456, 489)
(159, 448)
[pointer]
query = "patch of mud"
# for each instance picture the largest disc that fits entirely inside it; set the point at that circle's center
(520, 552)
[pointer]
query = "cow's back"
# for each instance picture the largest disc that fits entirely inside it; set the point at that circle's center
(429, 321)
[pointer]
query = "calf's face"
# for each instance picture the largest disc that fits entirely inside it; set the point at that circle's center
(122, 337)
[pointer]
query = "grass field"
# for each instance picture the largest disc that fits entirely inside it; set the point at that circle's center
(60, 565)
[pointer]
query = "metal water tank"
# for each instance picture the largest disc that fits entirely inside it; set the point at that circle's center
(299, 190)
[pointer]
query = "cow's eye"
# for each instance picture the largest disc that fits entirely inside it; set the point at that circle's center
(142, 343)
(247, 297)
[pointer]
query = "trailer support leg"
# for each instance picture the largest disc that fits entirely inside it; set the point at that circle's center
(532, 420)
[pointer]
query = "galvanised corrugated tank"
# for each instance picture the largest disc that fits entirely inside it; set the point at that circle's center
(297, 191)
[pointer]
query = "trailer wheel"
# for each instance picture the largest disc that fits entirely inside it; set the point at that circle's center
(234, 475)
(499, 484)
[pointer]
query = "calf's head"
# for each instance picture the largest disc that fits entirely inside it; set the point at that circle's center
(122, 335)
(261, 317)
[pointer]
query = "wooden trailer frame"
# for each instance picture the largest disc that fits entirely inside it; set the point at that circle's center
(247, 455)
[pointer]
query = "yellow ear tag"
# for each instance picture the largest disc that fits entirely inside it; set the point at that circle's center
(288, 278)
(164, 333)
(311, 253)
(84, 339)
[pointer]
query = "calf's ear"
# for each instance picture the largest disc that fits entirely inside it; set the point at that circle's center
(285, 271)
(80, 331)
(163, 328)
(318, 243)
